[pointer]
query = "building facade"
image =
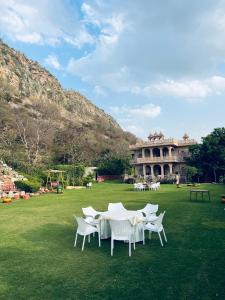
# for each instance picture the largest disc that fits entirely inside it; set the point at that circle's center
(160, 157)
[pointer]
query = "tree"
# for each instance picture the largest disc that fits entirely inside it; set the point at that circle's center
(35, 134)
(109, 164)
(190, 172)
(70, 147)
(210, 155)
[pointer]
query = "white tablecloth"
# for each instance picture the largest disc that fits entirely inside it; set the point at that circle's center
(134, 217)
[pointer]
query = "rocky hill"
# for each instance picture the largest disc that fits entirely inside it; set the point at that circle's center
(28, 92)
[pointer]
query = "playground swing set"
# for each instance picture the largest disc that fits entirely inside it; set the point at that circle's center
(55, 181)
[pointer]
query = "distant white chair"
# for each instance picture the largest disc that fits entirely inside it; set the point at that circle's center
(139, 186)
(136, 186)
(153, 186)
(157, 226)
(89, 185)
(157, 185)
(150, 211)
(86, 229)
(116, 207)
(122, 231)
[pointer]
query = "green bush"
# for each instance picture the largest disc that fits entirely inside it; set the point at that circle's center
(113, 165)
(29, 186)
(73, 173)
(87, 179)
(167, 180)
(29, 171)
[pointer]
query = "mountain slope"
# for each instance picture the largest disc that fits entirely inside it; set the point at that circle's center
(29, 92)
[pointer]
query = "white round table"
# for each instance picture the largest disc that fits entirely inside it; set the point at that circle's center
(134, 217)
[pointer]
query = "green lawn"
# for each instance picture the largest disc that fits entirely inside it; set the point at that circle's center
(38, 260)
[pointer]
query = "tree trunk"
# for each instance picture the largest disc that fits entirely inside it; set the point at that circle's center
(214, 173)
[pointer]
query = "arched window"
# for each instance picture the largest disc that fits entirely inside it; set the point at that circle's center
(156, 152)
(147, 153)
(157, 170)
(165, 151)
(148, 170)
(166, 169)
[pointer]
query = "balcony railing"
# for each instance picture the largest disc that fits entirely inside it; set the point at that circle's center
(164, 159)
(164, 142)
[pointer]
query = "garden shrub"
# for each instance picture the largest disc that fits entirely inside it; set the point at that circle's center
(87, 179)
(29, 186)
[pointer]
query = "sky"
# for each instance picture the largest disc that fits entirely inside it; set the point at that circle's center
(152, 65)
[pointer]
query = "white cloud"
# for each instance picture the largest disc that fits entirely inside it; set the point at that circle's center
(43, 22)
(99, 91)
(136, 53)
(135, 129)
(52, 61)
(136, 119)
(32, 38)
(145, 111)
(193, 90)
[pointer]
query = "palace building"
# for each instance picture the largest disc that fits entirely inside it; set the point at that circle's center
(160, 157)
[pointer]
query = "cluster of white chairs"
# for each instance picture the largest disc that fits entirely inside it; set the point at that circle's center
(121, 230)
(139, 186)
(154, 186)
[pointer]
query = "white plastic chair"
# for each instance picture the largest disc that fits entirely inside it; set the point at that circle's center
(89, 185)
(86, 229)
(141, 187)
(90, 215)
(153, 186)
(116, 207)
(150, 211)
(135, 186)
(157, 185)
(90, 212)
(157, 226)
(122, 231)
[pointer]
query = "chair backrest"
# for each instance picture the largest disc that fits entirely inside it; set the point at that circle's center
(159, 220)
(89, 211)
(82, 225)
(140, 186)
(121, 228)
(116, 206)
(151, 208)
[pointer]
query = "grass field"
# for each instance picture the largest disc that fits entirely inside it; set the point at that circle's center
(38, 260)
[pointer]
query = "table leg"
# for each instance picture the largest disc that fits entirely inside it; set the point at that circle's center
(209, 195)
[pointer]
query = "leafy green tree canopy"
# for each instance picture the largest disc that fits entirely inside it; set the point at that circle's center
(210, 155)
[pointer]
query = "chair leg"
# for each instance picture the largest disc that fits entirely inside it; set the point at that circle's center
(129, 247)
(160, 238)
(164, 235)
(75, 242)
(83, 242)
(134, 242)
(149, 234)
(143, 236)
(99, 239)
(111, 246)
(89, 238)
